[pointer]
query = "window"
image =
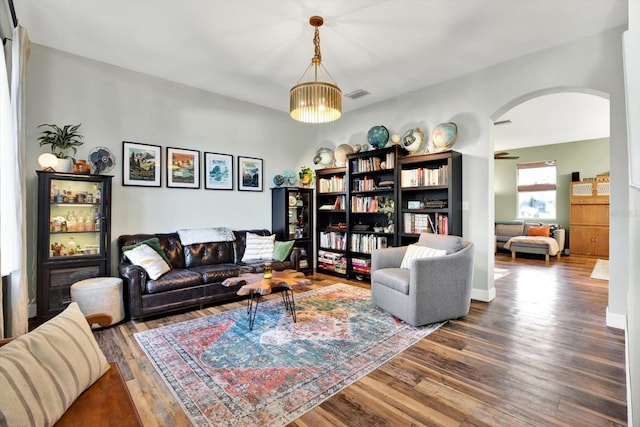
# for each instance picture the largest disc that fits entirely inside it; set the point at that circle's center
(537, 190)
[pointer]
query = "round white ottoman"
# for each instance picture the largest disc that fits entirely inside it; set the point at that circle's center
(99, 295)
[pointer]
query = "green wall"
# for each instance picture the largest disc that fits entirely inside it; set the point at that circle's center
(590, 158)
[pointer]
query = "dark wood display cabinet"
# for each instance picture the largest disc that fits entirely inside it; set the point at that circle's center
(292, 219)
(430, 195)
(331, 221)
(372, 208)
(74, 236)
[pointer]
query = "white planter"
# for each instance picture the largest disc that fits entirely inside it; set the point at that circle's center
(64, 165)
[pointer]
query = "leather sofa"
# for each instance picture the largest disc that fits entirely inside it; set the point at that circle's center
(197, 273)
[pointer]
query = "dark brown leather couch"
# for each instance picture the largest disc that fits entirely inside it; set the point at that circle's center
(196, 277)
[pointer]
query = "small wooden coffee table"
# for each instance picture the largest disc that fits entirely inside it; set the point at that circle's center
(256, 286)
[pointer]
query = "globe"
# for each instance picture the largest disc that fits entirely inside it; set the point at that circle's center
(378, 136)
(341, 153)
(324, 157)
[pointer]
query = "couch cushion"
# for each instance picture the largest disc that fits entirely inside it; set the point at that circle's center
(281, 250)
(148, 258)
(216, 273)
(153, 243)
(393, 278)
(178, 278)
(44, 371)
(509, 230)
(437, 241)
(258, 247)
(418, 252)
(169, 242)
(210, 253)
(542, 231)
(241, 241)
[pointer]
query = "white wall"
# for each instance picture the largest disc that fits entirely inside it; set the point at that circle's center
(593, 64)
(633, 297)
(116, 105)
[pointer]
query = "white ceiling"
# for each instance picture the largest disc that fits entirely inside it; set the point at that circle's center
(255, 50)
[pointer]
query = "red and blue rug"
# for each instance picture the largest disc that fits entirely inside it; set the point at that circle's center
(224, 374)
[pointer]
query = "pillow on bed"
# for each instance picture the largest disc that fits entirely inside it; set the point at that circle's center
(539, 231)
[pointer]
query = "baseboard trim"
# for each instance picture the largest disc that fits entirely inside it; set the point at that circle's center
(483, 295)
(615, 320)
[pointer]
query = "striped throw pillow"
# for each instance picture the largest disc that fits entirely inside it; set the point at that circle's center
(259, 247)
(417, 252)
(44, 371)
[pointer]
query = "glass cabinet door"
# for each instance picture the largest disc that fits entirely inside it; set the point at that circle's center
(298, 214)
(75, 218)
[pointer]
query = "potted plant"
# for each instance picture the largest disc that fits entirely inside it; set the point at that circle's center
(61, 140)
(306, 176)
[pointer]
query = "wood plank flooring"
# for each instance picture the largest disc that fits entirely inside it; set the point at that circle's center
(538, 355)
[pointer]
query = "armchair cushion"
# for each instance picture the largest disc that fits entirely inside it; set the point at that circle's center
(394, 278)
(417, 252)
(43, 372)
(438, 241)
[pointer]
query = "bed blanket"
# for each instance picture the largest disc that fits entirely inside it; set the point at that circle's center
(551, 243)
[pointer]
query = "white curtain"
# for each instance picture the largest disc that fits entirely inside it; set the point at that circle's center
(13, 252)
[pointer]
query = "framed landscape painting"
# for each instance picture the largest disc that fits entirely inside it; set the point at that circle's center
(249, 174)
(141, 164)
(183, 168)
(218, 171)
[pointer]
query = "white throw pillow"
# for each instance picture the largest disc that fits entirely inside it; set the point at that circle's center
(259, 247)
(147, 258)
(417, 252)
(44, 371)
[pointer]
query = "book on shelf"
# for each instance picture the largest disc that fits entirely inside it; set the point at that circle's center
(424, 177)
(415, 223)
(331, 185)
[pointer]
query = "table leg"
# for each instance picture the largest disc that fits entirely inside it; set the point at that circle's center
(289, 303)
(252, 308)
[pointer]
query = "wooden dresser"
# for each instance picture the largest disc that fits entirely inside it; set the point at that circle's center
(589, 219)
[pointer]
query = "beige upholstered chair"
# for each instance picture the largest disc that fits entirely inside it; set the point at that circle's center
(432, 289)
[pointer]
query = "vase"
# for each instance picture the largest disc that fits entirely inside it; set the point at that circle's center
(64, 165)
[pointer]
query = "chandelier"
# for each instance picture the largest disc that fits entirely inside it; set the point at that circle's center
(313, 101)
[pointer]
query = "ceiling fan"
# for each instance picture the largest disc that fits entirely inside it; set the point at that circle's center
(503, 155)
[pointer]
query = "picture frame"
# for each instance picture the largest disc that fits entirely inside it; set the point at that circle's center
(141, 164)
(250, 175)
(413, 204)
(183, 168)
(218, 171)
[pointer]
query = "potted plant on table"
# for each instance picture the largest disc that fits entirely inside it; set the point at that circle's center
(62, 139)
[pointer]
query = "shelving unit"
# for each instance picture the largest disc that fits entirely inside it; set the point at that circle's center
(292, 219)
(331, 222)
(589, 219)
(371, 207)
(74, 236)
(430, 195)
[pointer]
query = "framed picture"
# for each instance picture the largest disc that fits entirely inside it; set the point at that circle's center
(249, 174)
(141, 164)
(218, 171)
(183, 168)
(413, 204)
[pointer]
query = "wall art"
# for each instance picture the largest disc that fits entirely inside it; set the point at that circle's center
(141, 164)
(218, 171)
(249, 174)
(183, 168)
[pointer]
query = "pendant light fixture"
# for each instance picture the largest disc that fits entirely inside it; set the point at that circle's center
(313, 101)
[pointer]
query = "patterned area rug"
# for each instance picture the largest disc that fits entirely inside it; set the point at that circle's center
(224, 374)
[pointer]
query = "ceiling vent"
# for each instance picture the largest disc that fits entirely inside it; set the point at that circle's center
(358, 93)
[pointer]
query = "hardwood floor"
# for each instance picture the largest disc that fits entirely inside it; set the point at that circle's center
(538, 355)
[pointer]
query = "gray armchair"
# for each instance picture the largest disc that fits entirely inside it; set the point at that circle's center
(433, 289)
